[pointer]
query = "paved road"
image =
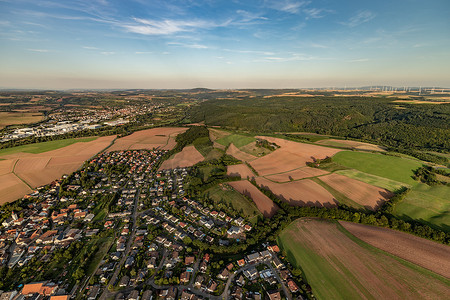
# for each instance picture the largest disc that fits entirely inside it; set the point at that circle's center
(283, 286)
(106, 293)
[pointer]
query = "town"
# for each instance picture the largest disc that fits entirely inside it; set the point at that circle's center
(121, 228)
(73, 119)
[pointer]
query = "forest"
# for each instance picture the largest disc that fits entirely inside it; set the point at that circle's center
(408, 128)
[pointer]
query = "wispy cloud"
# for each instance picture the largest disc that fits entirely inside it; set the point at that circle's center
(360, 18)
(166, 27)
(290, 57)
(315, 13)
(247, 16)
(39, 50)
(107, 53)
(192, 46)
(143, 52)
(358, 60)
(249, 51)
(90, 48)
(289, 6)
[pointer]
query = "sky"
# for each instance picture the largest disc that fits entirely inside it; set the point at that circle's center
(118, 44)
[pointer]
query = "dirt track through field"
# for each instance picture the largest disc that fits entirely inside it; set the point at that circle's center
(425, 253)
(367, 195)
(351, 145)
(263, 203)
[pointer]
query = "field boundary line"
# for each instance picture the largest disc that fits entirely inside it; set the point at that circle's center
(13, 172)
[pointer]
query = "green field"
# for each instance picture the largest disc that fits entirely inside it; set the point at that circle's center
(237, 139)
(203, 145)
(337, 265)
(44, 146)
(391, 167)
(382, 182)
(229, 197)
(427, 203)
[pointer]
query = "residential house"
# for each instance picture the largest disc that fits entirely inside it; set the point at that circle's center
(274, 295)
(292, 286)
(185, 277)
(212, 287)
(224, 274)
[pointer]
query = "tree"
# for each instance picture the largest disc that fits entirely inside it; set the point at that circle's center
(187, 240)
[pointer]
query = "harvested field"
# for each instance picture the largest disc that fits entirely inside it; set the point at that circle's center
(30, 164)
(188, 157)
(340, 266)
(264, 204)
(297, 174)
(235, 152)
(12, 188)
(369, 196)
(13, 118)
(240, 170)
(425, 253)
(161, 138)
(290, 156)
(351, 145)
(6, 166)
(299, 193)
(41, 168)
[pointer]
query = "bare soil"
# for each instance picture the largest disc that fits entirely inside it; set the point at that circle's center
(160, 138)
(368, 195)
(299, 193)
(290, 156)
(188, 157)
(297, 174)
(240, 170)
(263, 203)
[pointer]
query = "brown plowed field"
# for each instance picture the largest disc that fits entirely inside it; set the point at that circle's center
(290, 156)
(235, 152)
(263, 203)
(338, 267)
(297, 174)
(31, 164)
(425, 253)
(350, 145)
(12, 188)
(43, 168)
(188, 157)
(161, 138)
(299, 193)
(6, 166)
(368, 195)
(241, 170)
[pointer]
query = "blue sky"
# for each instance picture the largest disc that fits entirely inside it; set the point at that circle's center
(62, 44)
